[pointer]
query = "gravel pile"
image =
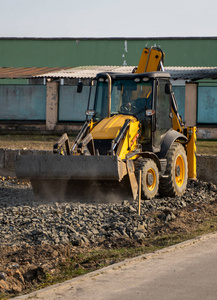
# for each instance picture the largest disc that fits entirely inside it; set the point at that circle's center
(24, 222)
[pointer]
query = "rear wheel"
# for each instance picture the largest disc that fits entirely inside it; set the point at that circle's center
(150, 179)
(175, 180)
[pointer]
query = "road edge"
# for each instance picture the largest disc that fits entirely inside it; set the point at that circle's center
(44, 291)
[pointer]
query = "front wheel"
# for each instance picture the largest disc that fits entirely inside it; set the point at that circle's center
(150, 179)
(176, 176)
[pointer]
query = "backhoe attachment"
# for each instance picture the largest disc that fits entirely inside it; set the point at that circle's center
(151, 60)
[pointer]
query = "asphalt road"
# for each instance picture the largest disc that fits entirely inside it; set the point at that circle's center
(185, 271)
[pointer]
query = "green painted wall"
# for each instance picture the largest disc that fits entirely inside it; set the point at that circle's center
(22, 102)
(207, 105)
(73, 105)
(13, 81)
(81, 52)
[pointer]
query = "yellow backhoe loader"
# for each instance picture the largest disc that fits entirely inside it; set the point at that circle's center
(134, 125)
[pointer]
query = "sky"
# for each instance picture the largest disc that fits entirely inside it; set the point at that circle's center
(108, 18)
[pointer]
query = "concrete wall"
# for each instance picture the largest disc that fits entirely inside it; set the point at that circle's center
(52, 105)
(207, 105)
(73, 105)
(190, 104)
(207, 168)
(206, 165)
(22, 102)
(204, 133)
(7, 160)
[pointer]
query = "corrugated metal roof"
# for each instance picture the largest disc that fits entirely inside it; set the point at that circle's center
(86, 72)
(14, 73)
(184, 73)
(192, 73)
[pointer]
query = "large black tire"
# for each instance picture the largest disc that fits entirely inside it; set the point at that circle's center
(150, 179)
(176, 176)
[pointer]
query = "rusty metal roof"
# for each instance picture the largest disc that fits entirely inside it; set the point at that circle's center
(184, 73)
(14, 73)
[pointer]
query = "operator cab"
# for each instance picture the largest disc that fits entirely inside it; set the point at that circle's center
(141, 95)
(129, 96)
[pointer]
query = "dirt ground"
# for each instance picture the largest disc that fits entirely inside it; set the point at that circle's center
(32, 142)
(26, 268)
(46, 142)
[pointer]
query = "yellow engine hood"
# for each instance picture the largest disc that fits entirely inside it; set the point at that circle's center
(109, 128)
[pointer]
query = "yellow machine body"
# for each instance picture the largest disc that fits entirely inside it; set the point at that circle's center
(177, 122)
(104, 152)
(109, 128)
(150, 60)
(190, 146)
(191, 152)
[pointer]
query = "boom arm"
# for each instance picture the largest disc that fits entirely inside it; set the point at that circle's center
(151, 60)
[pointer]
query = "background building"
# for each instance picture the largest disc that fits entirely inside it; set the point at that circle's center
(42, 94)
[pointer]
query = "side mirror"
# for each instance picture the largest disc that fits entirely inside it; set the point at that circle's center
(90, 112)
(149, 112)
(79, 87)
(168, 88)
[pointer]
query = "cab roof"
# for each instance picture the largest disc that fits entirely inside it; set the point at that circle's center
(151, 75)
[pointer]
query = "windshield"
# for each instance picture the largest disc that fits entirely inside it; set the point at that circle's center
(127, 97)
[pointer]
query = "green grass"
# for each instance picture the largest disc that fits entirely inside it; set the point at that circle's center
(36, 142)
(86, 262)
(207, 147)
(96, 259)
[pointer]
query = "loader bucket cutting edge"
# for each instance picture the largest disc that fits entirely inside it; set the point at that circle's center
(83, 179)
(70, 167)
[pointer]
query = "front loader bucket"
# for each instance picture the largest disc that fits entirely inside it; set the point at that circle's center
(100, 179)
